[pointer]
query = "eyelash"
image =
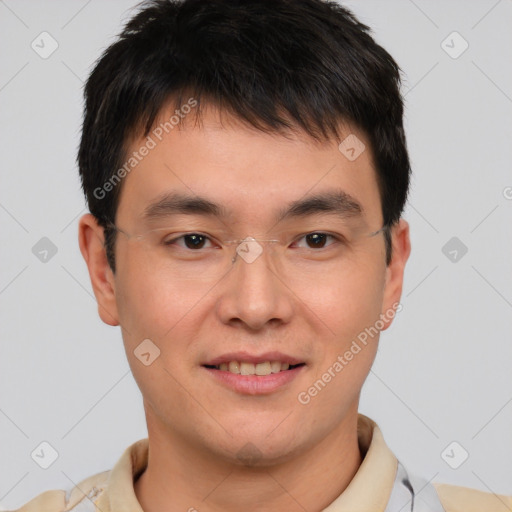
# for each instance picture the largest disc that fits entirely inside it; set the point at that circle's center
(333, 238)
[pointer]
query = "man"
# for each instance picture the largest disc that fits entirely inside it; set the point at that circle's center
(246, 170)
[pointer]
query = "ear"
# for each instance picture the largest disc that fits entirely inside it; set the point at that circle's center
(92, 246)
(401, 244)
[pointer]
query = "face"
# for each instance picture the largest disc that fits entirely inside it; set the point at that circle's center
(301, 301)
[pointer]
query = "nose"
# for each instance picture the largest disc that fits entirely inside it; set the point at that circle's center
(254, 293)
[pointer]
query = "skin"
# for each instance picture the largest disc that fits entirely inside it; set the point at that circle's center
(196, 426)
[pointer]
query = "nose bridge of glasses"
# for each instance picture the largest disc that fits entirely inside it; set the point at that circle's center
(249, 249)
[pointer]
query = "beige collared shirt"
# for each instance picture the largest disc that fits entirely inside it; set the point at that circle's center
(381, 484)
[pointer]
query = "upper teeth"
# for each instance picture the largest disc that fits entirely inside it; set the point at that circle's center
(243, 368)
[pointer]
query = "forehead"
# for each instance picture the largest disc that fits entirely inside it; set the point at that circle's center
(248, 172)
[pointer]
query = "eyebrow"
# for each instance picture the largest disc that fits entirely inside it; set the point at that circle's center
(174, 203)
(330, 202)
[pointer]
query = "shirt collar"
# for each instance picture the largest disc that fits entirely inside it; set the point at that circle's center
(371, 486)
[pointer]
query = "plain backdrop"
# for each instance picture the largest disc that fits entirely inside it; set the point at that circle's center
(443, 371)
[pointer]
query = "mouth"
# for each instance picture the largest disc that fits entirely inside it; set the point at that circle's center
(260, 369)
(255, 374)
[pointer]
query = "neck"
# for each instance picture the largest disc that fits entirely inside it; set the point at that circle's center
(181, 477)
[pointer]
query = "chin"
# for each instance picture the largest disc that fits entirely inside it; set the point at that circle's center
(258, 448)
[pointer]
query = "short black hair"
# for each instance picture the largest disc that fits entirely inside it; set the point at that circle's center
(277, 65)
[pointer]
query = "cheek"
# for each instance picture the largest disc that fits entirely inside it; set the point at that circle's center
(152, 308)
(349, 310)
(348, 303)
(150, 305)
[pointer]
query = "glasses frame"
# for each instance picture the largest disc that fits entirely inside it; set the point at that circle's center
(237, 242)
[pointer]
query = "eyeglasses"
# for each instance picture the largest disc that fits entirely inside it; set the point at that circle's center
(179, 254)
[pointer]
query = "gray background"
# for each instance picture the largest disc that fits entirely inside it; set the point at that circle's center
(443, 372)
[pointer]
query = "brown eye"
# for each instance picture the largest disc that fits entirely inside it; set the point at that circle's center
(194, 241)
(316, 240)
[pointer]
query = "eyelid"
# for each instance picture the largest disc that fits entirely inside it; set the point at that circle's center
(334, 237)
(171, 239)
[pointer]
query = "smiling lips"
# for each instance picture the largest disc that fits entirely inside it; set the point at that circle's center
(246, 364)
(244, 368)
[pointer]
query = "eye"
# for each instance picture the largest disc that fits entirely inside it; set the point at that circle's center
(316, 240)
(192, 241)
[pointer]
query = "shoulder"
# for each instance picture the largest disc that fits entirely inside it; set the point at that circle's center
(77, 498)
(464, 499)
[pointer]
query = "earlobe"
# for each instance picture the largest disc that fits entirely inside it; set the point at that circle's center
(91, 242)
(395, 271)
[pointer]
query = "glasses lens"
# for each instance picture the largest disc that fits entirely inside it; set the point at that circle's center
(193, 256)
